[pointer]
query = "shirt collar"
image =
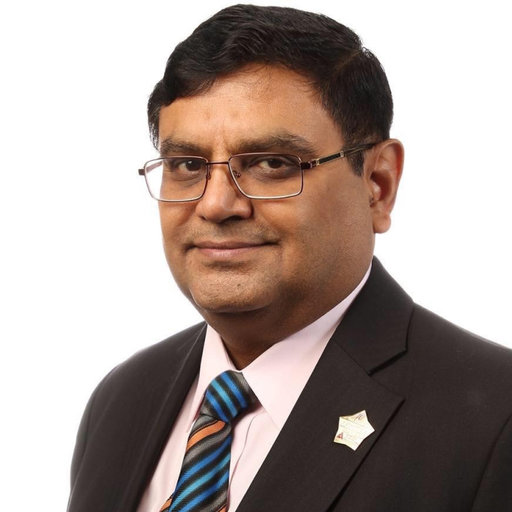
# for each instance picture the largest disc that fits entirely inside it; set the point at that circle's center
(285, 366)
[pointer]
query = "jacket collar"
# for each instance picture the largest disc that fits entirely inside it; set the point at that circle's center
(304, 456)
(374, 329)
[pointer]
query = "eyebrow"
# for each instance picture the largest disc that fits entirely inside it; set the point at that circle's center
(280, 142)
(169, 146)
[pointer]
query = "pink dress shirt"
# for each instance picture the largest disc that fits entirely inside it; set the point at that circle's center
(277, 378)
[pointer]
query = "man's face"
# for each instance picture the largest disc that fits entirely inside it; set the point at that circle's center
(290, 259)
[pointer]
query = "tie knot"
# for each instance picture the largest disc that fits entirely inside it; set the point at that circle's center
(227, 396)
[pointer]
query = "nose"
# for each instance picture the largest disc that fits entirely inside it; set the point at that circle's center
(222, 200)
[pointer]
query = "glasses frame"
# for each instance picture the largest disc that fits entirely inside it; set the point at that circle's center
(310, 164)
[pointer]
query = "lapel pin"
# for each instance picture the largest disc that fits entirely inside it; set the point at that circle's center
(353, 430)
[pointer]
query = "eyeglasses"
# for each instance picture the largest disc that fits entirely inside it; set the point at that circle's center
(256, 175)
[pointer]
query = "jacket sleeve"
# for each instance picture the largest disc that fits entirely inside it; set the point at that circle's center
(495, 490)
(81, 438)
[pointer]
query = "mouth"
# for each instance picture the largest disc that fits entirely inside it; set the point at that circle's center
(228, 249)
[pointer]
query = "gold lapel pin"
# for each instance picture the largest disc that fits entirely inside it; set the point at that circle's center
(353, 430)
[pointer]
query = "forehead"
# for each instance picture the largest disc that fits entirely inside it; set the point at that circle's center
(255, 102)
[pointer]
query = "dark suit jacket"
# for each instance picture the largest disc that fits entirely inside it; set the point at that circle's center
(438, 397)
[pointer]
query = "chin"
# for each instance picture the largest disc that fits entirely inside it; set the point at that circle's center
(222, 302)
(207, 308)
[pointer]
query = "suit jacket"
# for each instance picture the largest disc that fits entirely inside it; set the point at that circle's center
(438, 397)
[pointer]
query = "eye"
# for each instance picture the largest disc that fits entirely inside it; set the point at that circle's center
(185, 165)
(184, 169)
(273, 162)
(272, 166)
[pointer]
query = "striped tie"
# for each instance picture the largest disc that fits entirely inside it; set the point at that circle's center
(203, 482)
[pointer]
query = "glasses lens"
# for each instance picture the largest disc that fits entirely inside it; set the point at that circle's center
(177, 178)
(267, 175)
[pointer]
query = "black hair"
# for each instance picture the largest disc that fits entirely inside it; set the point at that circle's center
(350, 81)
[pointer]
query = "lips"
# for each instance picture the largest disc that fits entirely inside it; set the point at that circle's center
(228, 251)
(227, 244)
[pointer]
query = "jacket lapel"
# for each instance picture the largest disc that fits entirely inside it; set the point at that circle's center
(166, 410)
(304, 456)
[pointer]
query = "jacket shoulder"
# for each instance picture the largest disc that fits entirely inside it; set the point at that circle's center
(457, 367)
(161, 358)
(151, 367)
(457, 343)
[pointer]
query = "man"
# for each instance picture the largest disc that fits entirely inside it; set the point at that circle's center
(276, 172)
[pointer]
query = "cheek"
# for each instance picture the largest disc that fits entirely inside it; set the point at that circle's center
(173, 216)
(302, 232)
(173, 221)
(338, 228)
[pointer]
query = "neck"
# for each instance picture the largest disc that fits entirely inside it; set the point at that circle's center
(246, 335)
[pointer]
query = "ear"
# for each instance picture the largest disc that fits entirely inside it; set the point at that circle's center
(383, 171)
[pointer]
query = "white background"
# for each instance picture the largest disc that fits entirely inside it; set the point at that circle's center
(84, 282)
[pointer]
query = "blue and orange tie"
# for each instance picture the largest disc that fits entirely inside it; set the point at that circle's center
(203, 482)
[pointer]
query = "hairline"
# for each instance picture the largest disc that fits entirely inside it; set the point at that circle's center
(249, 67)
